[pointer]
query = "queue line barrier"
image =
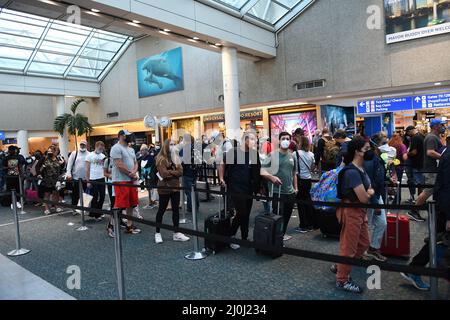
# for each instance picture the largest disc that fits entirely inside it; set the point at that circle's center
(433, 272)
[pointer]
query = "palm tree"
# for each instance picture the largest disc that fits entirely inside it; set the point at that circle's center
(77, 124)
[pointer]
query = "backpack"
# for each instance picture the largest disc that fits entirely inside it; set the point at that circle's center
(326, 189)
(330, 152)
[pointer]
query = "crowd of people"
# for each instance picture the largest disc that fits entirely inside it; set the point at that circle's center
(255, 166)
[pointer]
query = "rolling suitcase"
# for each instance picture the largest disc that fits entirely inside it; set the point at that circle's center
(328, 223)
(268, 231)
(220, 224)
(396, 240)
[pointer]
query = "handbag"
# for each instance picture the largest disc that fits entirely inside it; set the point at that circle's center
(31, 195)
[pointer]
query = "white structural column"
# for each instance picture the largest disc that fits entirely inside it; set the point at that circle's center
(22, 142)
(63, 141)
(231, 92)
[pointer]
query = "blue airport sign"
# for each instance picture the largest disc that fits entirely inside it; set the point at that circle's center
(423, 102)
(2, 135)
(385, 105)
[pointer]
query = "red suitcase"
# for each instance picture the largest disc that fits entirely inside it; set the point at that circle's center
(396, 240)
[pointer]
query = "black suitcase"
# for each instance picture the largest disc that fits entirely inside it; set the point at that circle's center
(219, 224)
(328, 223)
(268, 231)
(5, 200)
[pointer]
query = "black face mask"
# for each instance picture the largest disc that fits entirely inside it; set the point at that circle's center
(50, 155)
(129, 139)
(369, 155)
(442, 130)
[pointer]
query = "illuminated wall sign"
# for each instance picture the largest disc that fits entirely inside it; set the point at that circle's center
(424, 102)
(245, 115)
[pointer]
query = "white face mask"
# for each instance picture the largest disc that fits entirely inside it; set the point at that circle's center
(83, 149)
(285, 144)
(172, 148)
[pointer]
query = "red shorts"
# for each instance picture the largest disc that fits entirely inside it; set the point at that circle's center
(126, 197)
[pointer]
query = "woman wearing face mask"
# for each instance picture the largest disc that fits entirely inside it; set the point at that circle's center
(49, 171)
(170, 171)
(95, 163)
(353, 187)
(376, 170)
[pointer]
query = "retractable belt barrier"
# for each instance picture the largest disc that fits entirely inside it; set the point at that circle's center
(432, 272)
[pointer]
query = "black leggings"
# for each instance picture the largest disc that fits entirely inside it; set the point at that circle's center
(305, 211)
(174, 198)
(98, 193)
(243, 208)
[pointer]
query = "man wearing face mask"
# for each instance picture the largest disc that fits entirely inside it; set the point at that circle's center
(125, 171)
(432, 144)
(95, 162)
(76, 170)
(280, 169)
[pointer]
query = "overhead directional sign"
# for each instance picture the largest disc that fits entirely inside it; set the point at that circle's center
(2, 135)
(424, 102)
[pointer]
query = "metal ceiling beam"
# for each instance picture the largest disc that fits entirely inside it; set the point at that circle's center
(78, 54)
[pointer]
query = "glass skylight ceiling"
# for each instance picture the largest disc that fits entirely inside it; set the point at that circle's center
(33, 45)
(268, 11)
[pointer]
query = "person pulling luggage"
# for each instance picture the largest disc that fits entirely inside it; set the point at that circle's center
(239, 171)
(280, 169)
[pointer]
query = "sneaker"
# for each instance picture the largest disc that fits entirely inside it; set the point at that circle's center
(149, 207)
(123, 224)
(132, 230)
(375, 254)
(59, 210)
(110, 230)
(158, 238)
(333, 268)
(180, 237)
(349, 286)
(301, 230)
(235, 246)
(47, 212)
(287, 238)
(416, 281)
(415, 215)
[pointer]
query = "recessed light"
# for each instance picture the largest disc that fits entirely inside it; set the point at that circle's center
(164, 32)
(136, 21)
(193, 40)
(95, 10)
(213, 46)
(49, 2)
(438, 83)
(167, 30)
(196, 38)
(133, 24)
(329, 97)
(218, 44)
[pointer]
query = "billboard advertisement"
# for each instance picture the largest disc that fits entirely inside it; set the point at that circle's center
(160, 74)
(414, 19)
(288, 122)
(337, 117)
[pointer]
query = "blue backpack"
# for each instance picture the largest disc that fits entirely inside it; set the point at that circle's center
(326, 189)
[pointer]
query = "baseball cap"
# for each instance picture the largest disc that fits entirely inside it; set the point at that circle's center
(125, 133)
(83, 142)
(437, 122)
(409, 128)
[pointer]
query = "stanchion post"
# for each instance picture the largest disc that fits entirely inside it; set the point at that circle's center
(119, 259)
(22, 202)
(183, 219)
(196, 254)
(81, 192)
(18, 251)
(432, 246)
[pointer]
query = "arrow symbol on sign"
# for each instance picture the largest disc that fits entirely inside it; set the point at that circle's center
(418, 99)
(362, 104)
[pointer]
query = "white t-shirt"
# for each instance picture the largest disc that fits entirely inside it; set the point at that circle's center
(306, 162)
(97, 161)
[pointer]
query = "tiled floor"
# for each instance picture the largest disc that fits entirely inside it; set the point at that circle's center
(16, 283)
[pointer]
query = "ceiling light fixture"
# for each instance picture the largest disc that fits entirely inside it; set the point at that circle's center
(196, 38)
(49, 2)
(164, 32)
(438, 83)
(95, 10)
(133, 24)
(218, 44)
(193, 40)
(136, 21)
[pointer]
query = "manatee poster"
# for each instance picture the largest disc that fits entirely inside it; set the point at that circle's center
(160, 74)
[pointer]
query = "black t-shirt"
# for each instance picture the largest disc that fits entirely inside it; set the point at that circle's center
(417, 144)
(13, 164)
(239, 174)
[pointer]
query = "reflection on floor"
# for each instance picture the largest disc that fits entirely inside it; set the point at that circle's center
(17, 283)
